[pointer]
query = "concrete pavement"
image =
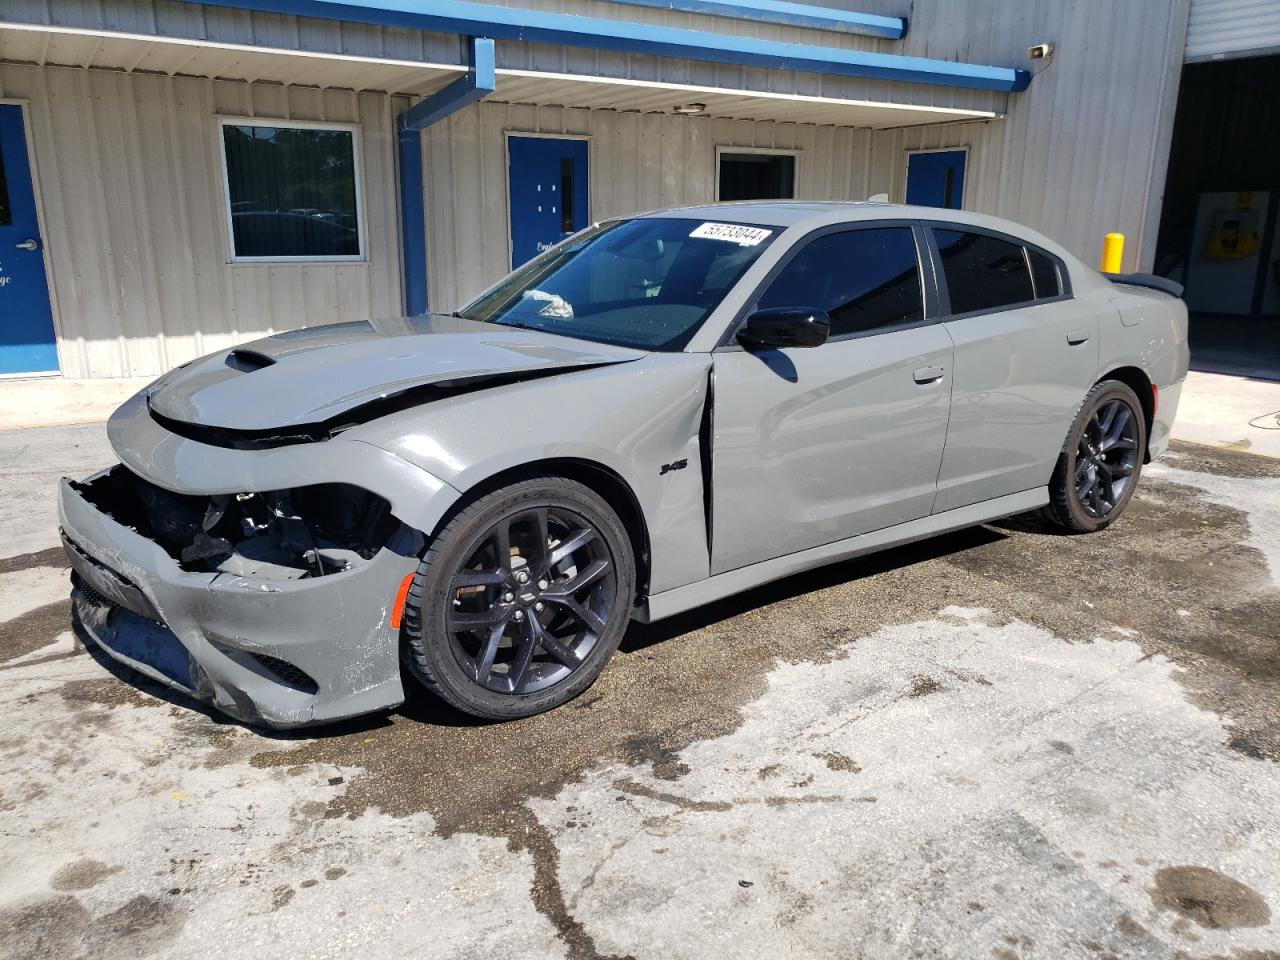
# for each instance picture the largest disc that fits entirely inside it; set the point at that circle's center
(1002, 743)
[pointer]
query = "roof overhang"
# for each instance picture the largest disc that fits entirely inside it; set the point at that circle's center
(178, 56)
(626, 36)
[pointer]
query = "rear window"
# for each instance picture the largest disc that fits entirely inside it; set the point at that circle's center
(1044, 271)
(863, 279)
(983, 272)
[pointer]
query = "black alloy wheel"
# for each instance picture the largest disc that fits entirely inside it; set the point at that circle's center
(1107, 457)
(1099, 466)
(521, 599)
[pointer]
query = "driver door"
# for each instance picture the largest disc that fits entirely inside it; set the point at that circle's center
(813, 445)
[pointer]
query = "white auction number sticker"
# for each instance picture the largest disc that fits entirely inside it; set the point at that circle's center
(732, 233)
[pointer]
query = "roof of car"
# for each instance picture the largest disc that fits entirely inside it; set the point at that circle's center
(811, 214)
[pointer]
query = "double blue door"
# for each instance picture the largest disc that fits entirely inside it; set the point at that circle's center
(26, 320)
(936, 179)
(547, 178)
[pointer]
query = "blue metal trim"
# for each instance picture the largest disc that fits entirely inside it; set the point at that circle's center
(786, 13)
(413, 222)
(479, 81)
(476, 84)
(535, 26)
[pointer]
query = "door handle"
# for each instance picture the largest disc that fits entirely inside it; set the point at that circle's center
(1076, 337)
(928, 374)
(27, 245)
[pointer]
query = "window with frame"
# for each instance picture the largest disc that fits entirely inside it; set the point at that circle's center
(292, 191)
(983, 272)
(1045, 275)
(864, 279)
(757, 176)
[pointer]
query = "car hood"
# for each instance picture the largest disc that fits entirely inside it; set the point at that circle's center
(311, 376)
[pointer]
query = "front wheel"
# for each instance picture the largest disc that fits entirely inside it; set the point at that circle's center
(521, 599)
(1101, 461)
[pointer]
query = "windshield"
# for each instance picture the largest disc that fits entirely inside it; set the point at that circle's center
(646, 283)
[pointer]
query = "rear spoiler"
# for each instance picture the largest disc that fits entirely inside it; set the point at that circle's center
(1148, 280)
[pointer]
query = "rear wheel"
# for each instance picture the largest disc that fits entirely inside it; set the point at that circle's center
(1101, 461)
(521, 599)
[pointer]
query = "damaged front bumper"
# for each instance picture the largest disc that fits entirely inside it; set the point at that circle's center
(266, 649)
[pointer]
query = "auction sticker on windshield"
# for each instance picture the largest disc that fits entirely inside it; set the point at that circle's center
(732, 232)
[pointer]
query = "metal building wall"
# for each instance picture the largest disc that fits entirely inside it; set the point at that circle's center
(166, 18)
(1085, 149)
(637, 162)
(1232, 28)
(135, 223)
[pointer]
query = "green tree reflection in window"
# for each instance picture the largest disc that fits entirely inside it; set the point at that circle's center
(292, 191)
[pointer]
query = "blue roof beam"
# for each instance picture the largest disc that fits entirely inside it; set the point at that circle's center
(537, 26)
(787, 14)
(478, 82)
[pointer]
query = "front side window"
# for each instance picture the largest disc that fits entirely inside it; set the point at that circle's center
(292, 192)
(983, 272)
(647, 283)
(863, 279)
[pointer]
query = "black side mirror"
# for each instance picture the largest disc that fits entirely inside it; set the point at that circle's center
(786, 327)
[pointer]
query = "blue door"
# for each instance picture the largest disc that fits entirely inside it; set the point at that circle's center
(26, 320)
(936, 179)
(547, 178)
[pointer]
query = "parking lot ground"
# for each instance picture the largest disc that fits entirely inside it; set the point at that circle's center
(1002, 743)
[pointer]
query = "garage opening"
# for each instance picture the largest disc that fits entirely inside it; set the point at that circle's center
(1218, 233)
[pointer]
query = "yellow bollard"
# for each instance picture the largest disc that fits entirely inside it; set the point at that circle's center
(1112, 252)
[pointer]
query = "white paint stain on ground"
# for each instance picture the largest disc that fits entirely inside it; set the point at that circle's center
(231, 860)
(948, 788)
(1257, 498)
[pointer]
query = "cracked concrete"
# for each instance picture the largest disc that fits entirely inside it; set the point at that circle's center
(1001, 743)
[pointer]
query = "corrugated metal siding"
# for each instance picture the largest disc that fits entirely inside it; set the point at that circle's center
(637, 162)
(1232, 28)
(1085, 150)
(167, 18)
(135, 222)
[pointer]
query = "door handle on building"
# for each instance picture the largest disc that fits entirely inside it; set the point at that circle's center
(928, 374)
(27, 245)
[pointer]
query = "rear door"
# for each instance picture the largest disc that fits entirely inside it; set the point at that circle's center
(1026, 353)
(813, 445)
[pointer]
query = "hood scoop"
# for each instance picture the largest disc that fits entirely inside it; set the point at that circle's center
(247, 361)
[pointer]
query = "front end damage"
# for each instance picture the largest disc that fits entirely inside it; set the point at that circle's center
(274, 607)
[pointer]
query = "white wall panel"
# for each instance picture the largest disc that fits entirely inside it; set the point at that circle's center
(1232, 28)
(135, 222)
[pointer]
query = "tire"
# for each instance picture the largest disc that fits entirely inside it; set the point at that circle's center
(1106, 444)
(507, 638)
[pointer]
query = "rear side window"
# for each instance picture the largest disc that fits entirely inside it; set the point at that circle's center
(1044, 272)
(863, 279)
(982, 272)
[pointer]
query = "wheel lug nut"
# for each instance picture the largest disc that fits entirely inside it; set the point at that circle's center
(542, 584)
(522, 577)
(539, 606)
(508, 596)
(519, 615)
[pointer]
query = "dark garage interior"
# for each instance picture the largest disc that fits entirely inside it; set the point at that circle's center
(1218, 232)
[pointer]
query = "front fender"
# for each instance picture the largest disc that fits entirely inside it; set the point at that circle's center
(632, 418)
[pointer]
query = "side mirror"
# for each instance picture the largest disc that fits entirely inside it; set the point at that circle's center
(786, 327)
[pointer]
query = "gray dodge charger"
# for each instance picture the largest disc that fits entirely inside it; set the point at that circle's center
(653, 414)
